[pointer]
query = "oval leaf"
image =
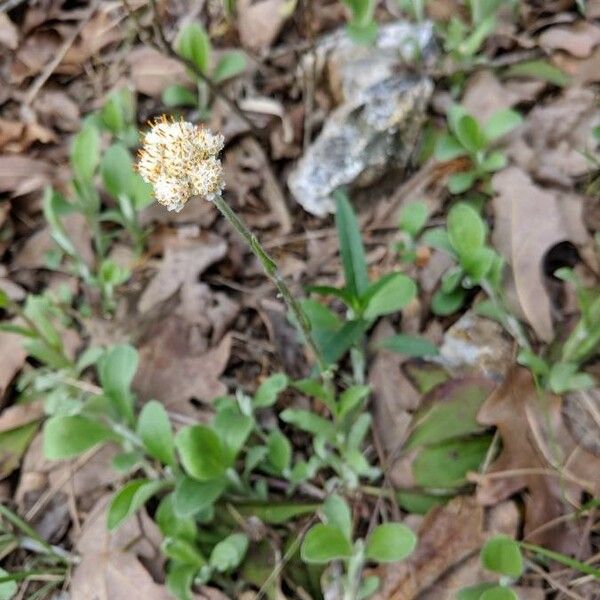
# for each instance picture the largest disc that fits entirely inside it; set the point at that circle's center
(68, 436)
(202, 454)
(324, 543)
(390, 542)
(154, 428)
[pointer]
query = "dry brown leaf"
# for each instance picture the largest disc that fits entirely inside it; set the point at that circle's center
(394, 398)
(582, 71)
(152, 72)
(55, 108)
(13, 358)
(173, 370)
(259, 23)
(550, 144)
(539, 455)
(523, 238)
(447, 536)
(110, 567)
(22, 174)
(183, 262)
(9, 35)
(21, 414)
(485, 94)
(33, 54)
(578, 39)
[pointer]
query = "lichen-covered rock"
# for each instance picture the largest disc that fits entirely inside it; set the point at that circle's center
(382, 108)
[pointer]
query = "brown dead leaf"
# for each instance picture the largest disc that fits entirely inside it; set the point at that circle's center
(550, 144)
(33, 54)
(485, 94)
(55, 108)
(183, 262)
(539, 455)
(13, 358)
(578, 39)
(173, 370)
(523, 238)
(394, 398)
(152, 72)
(259, 23)
(22, 174)
(9, 35)
(582, 71)
(447, 536)
(21, 414)
(110, 567)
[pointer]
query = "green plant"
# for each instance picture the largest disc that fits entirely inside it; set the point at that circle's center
(561, 371)
(333, 540)
(193, 44)
(468, 138)
(462, 40)
(502, 556)
(365, 301)
(361, 28)
(121, 182)
(412, 220)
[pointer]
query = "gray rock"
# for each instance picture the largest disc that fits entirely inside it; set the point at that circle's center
(381, 112)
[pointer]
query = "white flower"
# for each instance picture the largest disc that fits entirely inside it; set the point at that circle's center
(181, 160)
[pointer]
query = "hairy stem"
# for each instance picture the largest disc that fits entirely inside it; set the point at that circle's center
(270, 268)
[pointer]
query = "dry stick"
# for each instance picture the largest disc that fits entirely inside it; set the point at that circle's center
(553, 582)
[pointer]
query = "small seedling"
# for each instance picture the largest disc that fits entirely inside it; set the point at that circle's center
(193, 44)
(333, 540)
(468, 138)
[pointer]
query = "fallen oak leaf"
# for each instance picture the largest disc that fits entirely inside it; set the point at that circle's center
(578, 39)
(519, 203)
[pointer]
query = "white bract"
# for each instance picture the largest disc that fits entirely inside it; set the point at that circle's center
(181, 160)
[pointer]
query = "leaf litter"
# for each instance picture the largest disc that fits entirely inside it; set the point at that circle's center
(186, 309)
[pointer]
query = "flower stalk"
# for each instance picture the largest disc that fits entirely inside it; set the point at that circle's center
(271, 271)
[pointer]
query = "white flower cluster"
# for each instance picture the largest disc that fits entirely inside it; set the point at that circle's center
(181, 160)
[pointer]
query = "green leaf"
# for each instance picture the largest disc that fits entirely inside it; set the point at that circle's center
(192, 496)
(411, 345)
(413, 217)
(269, 389)
(320, 316)
(466, 229)
(447, 148)
(351, 398)
(193, 44)
(334, 344)
(230, 64)
(478, 263)
(183, 551)
(388, 295)
(119, 110)
(469, 134)
(56, 206)
(13, 445)
(309, 422)
(180, 578)
(362, 34)
(562, 559)
(117, 170)
(315, 389)
(337, 513)
(116, 370)
(500, 123)
(418, 503)
(461, 182)
(473, 42)
(276, 513)
(7, 588)
(446, 304)
(449, 411)
(154, 429)
(438, 238)
(474, 592)
(229, 553)
(202, 454)
(233, 428)
(502, 554)
(130, 498)
(279, 451)
(325, 543)
(68, 436)
(179, 95)
(445, 465)
(498, 593)
(390, 542)
(352, 251)
(368, 587)
(171, 524)
(494, 162)
(538, 69)
(85, 153)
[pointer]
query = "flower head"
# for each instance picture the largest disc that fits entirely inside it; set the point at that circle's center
(180, 160)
